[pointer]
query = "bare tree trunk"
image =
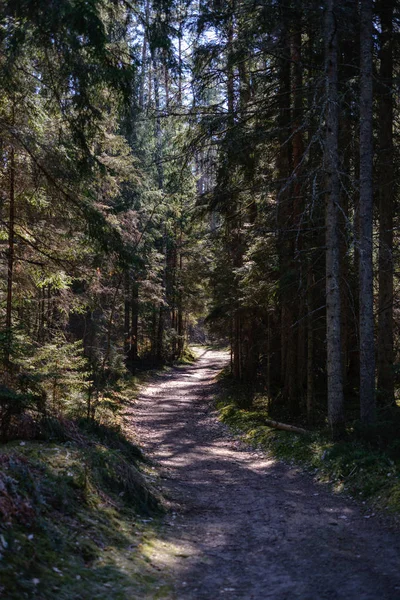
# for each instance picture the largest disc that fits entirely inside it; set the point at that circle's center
(237, 347)
(134, 326)
(367, 346)
(269, 358)
(231, 344)
(127, 321)
(297, 91)
(154, 335)
(10, 261)
(353, 371)
(229, 69)
(180, 64)
(235, 241)
(284, 163)
(298, 208)
(348, 71)
(160, 177)
(386, 190)
(314, 240)
(166, 79)
(179, 316)
(113, 308)
(310, 346)
(333, 304)
(144, 58)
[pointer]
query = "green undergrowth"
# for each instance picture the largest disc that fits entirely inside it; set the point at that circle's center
(80, 516)
(363, 465)
(76, 517)
(188, 357)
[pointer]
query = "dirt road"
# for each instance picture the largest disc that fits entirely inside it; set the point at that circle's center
(245, 526)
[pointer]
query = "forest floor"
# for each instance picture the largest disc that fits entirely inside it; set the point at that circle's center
(242, 525)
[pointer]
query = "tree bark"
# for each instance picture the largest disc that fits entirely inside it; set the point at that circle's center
(144, 58)
(284, 427)
(386, 191)
(180, 34)
(127, 322)
(310, 346)
(284, 164)
(348, 72)
(160, 177)
(299, 330)
(10, 260)
(134, 350)
(367, 346)
(333, 303)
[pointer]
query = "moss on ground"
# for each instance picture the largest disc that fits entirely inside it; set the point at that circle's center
(75, 520)
(188, 357)
(356, 466)
(79, 514)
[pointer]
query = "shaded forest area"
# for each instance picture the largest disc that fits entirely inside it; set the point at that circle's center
(305, 185)
(168, 164)
(177, 172)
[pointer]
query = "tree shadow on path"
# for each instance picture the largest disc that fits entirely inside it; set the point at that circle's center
(245, 526)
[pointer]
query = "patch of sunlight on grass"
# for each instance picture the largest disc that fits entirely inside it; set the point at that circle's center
(74, 531)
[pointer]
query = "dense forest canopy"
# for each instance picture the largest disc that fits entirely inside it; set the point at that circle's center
(175, 169)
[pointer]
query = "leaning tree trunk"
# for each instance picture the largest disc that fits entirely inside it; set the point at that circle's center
(333, 300)
(367, 347)
(386, 193)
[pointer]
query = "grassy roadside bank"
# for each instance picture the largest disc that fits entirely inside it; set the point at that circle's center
(366, 467)
(79, 513)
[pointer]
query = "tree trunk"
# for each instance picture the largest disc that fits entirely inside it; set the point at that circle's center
(160, 176)
(285, 427)
(180, 33)
(10, 261)
(333, 304)
(166, 79)
(386, 191)
(367, 347)
(310, 346)
(234, 234)
(348, 72)
(179, 308)
(134, 326)
(127, 313)
(298, 209)
(284, 163)
(144, 58)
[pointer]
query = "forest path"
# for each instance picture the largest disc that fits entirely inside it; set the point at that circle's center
(244, 526)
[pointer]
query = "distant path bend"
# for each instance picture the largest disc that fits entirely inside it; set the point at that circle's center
(247, 527)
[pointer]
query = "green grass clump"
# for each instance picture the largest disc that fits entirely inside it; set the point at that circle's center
(359, 465)
(72, 520)
(188, 357)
